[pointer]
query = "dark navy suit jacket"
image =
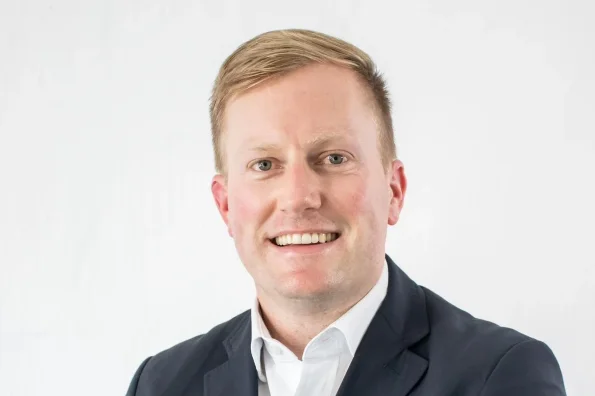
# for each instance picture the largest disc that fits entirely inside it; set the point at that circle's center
(417, 344)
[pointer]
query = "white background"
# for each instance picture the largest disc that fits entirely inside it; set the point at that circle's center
(111, 248)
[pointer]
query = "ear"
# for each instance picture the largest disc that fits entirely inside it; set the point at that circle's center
(219, 190)
(397, 187)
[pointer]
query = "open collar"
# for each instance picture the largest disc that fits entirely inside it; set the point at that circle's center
(383, 360)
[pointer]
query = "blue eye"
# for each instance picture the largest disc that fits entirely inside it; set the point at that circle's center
(264, 165)
(336, 159)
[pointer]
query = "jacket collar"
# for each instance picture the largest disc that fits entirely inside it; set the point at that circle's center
(384, 361)
(237, 376)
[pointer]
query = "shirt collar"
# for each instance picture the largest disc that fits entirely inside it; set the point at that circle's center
(259, 332)
(353, 324)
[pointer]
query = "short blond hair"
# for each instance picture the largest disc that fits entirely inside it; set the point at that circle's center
(273, 54)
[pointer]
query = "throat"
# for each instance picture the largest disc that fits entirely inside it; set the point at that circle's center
(296, 326)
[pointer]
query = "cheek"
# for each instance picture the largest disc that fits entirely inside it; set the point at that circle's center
(361, 198)
(352, 197)
(247, 210)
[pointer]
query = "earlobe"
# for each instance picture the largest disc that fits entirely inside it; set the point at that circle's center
(219, 190)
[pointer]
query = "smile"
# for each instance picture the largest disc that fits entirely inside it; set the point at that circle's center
(304, 239)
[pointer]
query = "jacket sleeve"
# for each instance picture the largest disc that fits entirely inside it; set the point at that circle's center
(529, 368)
(134, 383)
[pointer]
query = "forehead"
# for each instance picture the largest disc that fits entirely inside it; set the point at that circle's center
(312, 103)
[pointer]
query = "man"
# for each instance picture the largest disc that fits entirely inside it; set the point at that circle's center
(307, 182)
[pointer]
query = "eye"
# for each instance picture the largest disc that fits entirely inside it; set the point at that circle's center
(263, 165)
(336, 159)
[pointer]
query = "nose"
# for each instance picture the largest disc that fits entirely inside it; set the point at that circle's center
(300, 189)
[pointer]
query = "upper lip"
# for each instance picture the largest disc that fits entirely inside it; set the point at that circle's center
(312, 231)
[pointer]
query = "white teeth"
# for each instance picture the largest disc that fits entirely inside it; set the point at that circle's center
(305, 239)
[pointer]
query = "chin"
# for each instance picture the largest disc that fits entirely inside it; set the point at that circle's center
(305, 294)
(305, 286)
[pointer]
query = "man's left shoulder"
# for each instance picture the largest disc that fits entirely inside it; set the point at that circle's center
(496, 358)
(452, 327)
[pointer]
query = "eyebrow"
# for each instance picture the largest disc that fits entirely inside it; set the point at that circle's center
(265, 147)
(324, 139)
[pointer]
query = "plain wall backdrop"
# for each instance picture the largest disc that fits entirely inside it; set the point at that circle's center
(111, 248)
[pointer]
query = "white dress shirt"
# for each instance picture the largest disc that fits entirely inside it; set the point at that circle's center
(326, 358)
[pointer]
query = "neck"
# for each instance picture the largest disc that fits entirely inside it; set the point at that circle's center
(295, 330)
(295, 322)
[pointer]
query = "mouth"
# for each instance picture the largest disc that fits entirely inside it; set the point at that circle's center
(305, 239)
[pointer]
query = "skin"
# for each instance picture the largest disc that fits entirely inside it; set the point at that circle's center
(301, 153)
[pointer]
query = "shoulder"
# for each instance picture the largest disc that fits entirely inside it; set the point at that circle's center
(199, 346)
(185, 359)
(527, 368)
(463, 330)
(485, 355)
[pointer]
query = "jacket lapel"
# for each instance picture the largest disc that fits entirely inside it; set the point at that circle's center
(237, 376)
(384, 364)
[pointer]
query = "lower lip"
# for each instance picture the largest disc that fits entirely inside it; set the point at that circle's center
(313, 248)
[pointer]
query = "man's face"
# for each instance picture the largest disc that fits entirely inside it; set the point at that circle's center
(302, 161)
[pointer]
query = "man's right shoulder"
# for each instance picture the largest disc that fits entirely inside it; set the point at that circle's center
(203, 343)
(186, 361)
